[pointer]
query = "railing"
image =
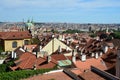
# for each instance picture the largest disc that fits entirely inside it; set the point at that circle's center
(104, 74)
(71, 74)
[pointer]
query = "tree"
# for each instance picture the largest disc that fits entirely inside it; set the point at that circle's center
(35, 41)
(1, 49)
(93, 35)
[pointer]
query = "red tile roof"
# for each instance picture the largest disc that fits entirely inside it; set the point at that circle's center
(30, 47)
(76, 71)
(28, 60)
(89, 75)
(15, 35)
(51, 76)
(58, 57)
(110, 58)
(90, 62)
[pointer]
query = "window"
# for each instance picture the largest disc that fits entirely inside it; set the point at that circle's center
(26, 42)
(14, 44)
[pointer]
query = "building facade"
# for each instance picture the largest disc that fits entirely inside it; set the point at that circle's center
(11, 40)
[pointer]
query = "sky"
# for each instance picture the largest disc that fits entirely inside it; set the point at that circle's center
(64, 11)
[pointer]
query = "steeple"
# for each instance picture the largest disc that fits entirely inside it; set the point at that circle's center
(32, 21)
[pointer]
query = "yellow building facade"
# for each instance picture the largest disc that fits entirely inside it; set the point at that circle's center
(8, 46)
(11, 40)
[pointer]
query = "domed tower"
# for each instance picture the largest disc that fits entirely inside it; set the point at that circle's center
(29, 25)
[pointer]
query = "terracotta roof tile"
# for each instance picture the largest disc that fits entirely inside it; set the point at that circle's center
(28, 60)
(30, 48)
(54, 76)
(110, 58)
(91, 62)
(77, 71)
(89, 75)
(58, 57)
(15, 35)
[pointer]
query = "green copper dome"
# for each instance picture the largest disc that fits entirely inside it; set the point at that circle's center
(29, 24)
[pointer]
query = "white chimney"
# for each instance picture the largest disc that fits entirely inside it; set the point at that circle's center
(68, 42)
(105, 49)
(48, 58)
(34, 53)
(22, 49)
(40, 47)
(83, 57)
(67, 48)
(15, 55)
(63, 38)
(59, 49)
(34, 66)
(97, 38)
(25, 48)
(92, 55)
(74, 52)
(74, 59)
(82, 50)
(96, 55)
(79, 42)
(76, 47)
(101, 53)
(81, 53)
(53, 36)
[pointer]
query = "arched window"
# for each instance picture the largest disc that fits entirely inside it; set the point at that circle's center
(14, 44)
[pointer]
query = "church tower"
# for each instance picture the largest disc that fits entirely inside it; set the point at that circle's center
(29, 25)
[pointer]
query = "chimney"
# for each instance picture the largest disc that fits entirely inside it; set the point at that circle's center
(34, 53)
(101, 53)
(22, 49)
(92, 55)
(37, 54)
(34, 67)
(40, 47)
(59, 49)
(68, 42)
(76, 47)
(83, 57)
(63, 38)
(82, 50)
(79, 42)
(74, 59)
(48, 58)
(96, 55)
(67, 48)
(25, 48)
(105, 49)
(13, 55)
